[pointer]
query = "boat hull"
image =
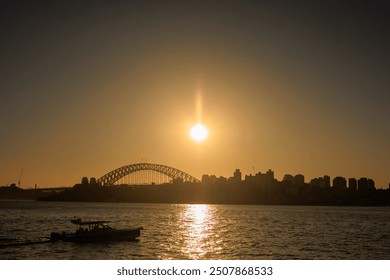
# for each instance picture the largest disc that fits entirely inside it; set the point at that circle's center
(99, 236)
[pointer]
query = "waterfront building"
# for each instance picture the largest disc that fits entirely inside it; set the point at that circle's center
(321, 182)
(93, 181)
(339, 182)
(299, 179)
(288, 178)
(352, 184)
(206, 179)
(363, 184)
(237, 176)
(371, 184)
(327, 181)
(260, 179)
(84, 181)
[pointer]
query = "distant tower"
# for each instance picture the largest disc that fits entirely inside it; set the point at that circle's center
(237, 175)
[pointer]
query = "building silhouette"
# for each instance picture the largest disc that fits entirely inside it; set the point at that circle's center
(260, 179)
(339, 182)
(299, 179)
(352, 184)
(259, 188)
(363, 184)
(322, 182)
(237, 176)
(288, 178)
(371, 184)
(327, 181)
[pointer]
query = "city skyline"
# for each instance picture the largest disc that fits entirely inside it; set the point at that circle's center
(300, 88)
(156, 183)
(237, 177)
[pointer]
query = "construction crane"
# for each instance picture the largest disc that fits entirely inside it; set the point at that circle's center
(20, 178)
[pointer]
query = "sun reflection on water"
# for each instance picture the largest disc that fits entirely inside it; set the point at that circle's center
(198, 223)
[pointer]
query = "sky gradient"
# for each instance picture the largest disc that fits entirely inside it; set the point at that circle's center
(297, 87)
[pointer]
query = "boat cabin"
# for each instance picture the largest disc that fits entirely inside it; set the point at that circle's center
(91, 226)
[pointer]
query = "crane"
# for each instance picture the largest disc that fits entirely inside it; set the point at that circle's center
(20, 178)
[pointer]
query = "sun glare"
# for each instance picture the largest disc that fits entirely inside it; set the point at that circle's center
(199, 132)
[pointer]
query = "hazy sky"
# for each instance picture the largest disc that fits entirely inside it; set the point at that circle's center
(294, 86)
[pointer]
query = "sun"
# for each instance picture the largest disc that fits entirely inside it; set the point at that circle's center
(199, 132)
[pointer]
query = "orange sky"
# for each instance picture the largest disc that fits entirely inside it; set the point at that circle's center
(298, 89)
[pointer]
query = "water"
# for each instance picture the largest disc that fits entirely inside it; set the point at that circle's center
(185, 231)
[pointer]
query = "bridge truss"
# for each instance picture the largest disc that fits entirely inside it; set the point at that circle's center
(115, 176)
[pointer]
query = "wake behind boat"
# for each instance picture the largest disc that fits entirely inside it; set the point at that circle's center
(96, 231)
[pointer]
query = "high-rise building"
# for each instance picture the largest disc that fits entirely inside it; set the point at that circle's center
(352, 184)
(206, 179)
(237, 176)
(299, 179)
(327, 181)
(288, 178)
(339, 182)
(363, 184)
(260, 179)
(84, 181)
(269, 176)
(93, 181)
(322, 182)
(371, 184)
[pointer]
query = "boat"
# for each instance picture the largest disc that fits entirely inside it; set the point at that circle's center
(96, 231)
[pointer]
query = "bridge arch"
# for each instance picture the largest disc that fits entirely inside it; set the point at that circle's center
(113, 176)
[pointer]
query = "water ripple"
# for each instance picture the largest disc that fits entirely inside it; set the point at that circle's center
(183, 231)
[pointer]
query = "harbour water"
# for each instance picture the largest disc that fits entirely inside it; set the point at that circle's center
(194, 231)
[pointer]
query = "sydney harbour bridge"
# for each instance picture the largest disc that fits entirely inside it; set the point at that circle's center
(144, 174)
